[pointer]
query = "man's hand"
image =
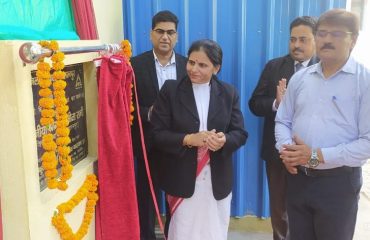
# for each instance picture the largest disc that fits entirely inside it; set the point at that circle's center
(295, 154)
(280, 91)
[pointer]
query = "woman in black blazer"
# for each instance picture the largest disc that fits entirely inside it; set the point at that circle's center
(197, 125)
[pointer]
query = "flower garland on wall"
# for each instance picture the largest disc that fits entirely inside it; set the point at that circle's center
(54, 110)
(87, 190)
(126, 52)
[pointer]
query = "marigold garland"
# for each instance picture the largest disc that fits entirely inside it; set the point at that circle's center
(127, 53)
(87, 190)
(54, 109)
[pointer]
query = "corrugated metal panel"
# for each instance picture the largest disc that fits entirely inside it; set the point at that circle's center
(250, 33)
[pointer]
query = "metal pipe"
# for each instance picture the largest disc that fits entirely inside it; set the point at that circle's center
(31, 52)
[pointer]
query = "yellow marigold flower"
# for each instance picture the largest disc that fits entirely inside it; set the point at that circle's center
(59, 75)
(57, 57)
(52, 183)
(46, 102)
(45, 92)
(44, 83)
(48, 113)
(44, 43)
(59, 93)
(60, 101)
(57, 66)
(63, 141)
(43, 66)
(62, 109)
(62, 186)
(59, 85)
(45, 121)
(62, 130)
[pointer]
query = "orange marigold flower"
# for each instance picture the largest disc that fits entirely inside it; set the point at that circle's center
(62, 109)
(48, 113)
(48, 137)
(52, 173)
(44, 82)
(59, 75)
(64, 150)
(49, 165)
(62, 186)
(57, 66)
(49, 146)
(60, 101)
(43, 66)
(62, 117)
(59, 85)
(45, 121)
(52, 183)
(57, 57)
(45, 92)
(42, 74)
(46, 102)
(59, 93)
(63, 141)
(63, 131)
(53, 45)
(48, 156)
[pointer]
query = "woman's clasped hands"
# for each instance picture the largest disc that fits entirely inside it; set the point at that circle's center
(212, 139)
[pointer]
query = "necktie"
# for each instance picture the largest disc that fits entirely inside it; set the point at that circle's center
(298, 66)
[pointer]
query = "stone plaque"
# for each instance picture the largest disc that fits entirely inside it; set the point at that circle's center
(75, 94)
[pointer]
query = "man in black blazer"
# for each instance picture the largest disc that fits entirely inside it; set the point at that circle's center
(265, 101)
(152, 69)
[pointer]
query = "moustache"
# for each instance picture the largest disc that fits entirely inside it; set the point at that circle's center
(298, 50)
(327, 46)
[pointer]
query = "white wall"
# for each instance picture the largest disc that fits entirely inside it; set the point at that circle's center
(27, 212)
(109, 20)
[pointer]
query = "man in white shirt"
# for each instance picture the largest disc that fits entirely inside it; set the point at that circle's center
(323, 134)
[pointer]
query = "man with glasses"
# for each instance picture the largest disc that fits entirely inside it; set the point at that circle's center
(323, 134)
(152, 69)
(265, 101)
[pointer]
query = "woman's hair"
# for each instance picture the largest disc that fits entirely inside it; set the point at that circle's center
(210, 48)
(340, 17)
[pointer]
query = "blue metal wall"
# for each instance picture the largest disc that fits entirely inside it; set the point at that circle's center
(250, 33)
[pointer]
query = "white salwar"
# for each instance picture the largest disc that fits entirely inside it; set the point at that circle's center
(201, 217)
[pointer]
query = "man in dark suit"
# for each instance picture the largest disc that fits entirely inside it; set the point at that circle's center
(265, 101)
(152, 69)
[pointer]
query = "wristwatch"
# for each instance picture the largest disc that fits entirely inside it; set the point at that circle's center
(314, 160)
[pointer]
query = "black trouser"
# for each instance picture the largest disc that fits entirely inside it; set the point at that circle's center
(323, 205)
(276, 176)
(147, 214)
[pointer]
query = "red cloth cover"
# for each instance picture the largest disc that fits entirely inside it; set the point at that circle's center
(117, 212)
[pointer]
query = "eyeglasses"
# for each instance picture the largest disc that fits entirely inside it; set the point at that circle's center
(160, 31)
(302, 40)
(334, 34)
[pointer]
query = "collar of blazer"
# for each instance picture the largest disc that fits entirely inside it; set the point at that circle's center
(186, 96)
